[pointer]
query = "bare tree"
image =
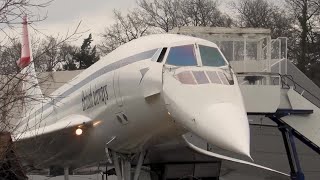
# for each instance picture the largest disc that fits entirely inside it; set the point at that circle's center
(8, 56)
(167, 14)
(306, 13)
(125, 29)
(48, 57)
(11, 14)
(54, 54)
(161, 13)
(11, 105)
(263, 14)
(67, 56)
(203, 13)
(12, 11)
(13, 101)
(161, 16)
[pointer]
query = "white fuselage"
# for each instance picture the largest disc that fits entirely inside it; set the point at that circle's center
(133, 102)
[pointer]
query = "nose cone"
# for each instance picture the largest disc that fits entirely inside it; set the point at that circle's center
(226, 126)
(213, 112)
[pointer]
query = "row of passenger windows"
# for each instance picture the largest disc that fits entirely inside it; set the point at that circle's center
(185, 56)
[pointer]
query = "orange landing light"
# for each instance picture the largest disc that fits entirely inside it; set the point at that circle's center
(96, 123)
(79, 131)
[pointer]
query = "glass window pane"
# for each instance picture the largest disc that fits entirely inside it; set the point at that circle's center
(182, 56)
(223, 78)
(211, 56)
(200, 77)
(213, 77)
(186, 78)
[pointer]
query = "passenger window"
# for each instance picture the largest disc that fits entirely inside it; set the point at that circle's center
(182, 56)
(211, 56)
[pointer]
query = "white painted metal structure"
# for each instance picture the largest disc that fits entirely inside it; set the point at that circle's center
(144, 93)
(247, 49)
(267, 80)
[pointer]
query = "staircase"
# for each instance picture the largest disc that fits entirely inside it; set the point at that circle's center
(292, 107)
(276, 96)
(10, 167)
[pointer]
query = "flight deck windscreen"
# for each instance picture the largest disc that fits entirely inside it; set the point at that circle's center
(211, 56)
(182, 56)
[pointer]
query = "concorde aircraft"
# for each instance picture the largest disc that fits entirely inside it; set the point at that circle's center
(146, 92)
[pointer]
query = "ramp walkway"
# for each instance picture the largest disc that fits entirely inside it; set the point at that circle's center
(294, 108)
(291, 97)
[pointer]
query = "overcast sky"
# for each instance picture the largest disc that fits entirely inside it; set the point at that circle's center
(95, 15)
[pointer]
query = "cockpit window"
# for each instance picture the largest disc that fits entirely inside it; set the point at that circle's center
(211, 56)
(182, 56)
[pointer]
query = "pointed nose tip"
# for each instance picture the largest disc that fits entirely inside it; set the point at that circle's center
(225, 125)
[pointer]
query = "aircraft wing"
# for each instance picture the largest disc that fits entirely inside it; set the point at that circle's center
(191, 156)
(232, 165)
(57, 141)
(230, 162)
(180, 155)
(71, 121)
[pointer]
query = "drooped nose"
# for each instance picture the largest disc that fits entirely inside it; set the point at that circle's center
(214, 112)
(224, 125)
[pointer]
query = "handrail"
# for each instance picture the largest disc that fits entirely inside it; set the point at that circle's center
(284, 84)
(295, 84)
(270, 74)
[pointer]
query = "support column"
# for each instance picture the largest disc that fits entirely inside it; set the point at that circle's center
(139, 165)
(116, 165)
(269, 53)
(245, 54)
(280, 70)
(66, 173)
(259, 51)
(127, 170)
(288, 139)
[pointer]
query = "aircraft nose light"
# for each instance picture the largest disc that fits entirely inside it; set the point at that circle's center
(79, 131)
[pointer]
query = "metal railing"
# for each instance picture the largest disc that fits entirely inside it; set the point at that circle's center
(285, 81)
(259, 78)
(285, 84)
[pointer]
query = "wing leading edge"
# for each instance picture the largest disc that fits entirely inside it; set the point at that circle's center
(230, 159)
(71, 121)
